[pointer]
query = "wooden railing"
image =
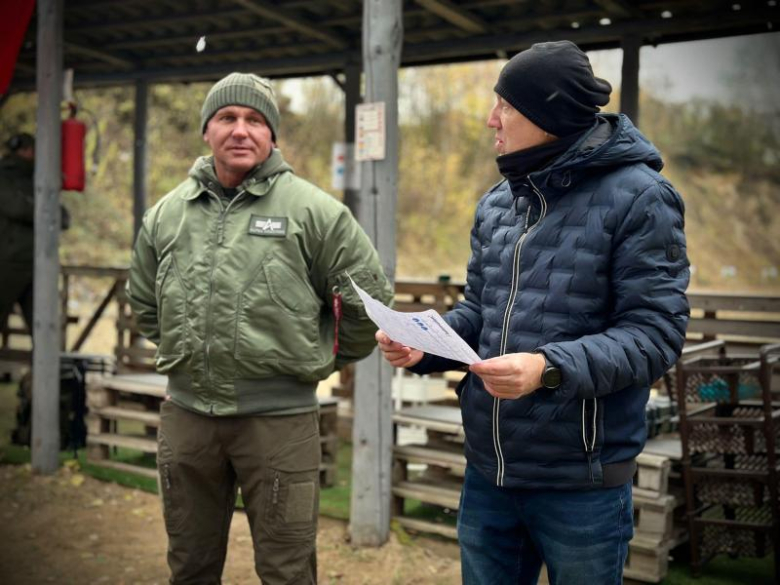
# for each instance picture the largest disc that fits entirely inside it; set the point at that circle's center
(11, 337)
(731, 316)
(745, 318)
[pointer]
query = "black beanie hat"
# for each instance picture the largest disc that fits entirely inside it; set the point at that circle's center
(552, 84)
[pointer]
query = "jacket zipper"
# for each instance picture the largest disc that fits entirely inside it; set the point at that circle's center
(590, 442)
(220, 235)
(507, 317)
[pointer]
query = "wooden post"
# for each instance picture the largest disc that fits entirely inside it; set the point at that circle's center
(48, 181)
(64, 296)
(352, 98)
(629, 81)
(139, 154)
(372, 433)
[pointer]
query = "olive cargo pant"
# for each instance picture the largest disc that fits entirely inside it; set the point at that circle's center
(202, 460)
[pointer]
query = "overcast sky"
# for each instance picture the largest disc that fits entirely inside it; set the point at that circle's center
(682, 71)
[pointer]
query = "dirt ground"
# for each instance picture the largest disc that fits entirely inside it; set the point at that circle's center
(72, 529)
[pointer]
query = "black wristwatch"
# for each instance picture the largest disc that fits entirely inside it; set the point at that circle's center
(551, 377)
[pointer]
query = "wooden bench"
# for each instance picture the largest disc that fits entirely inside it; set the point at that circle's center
(137, 397)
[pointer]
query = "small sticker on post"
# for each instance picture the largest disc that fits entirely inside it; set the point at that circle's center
(370, 135)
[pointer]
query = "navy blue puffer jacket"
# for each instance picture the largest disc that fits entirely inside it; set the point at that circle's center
(587, 265)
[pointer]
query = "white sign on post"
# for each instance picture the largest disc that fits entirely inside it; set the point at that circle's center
(370, 131)
(345, 174)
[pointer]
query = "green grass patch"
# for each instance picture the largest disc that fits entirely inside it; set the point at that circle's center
(723, 570)
(335, 500)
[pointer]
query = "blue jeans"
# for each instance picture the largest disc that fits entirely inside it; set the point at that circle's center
(506, 534)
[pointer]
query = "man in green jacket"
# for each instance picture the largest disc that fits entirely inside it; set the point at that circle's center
(240, 275)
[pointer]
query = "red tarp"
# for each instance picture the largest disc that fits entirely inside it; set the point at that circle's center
(14, 18)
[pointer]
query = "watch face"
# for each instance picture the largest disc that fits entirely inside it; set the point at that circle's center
(551, 377)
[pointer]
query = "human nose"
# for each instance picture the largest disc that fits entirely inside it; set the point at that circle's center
(240, 128)
(493, 121)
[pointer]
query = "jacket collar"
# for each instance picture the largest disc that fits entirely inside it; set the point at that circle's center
(258, 181)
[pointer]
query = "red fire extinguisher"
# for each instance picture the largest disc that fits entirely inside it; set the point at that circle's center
(73, 134)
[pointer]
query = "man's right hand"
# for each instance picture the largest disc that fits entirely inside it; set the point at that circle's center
(399, 356)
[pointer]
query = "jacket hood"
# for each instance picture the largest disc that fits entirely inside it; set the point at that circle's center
(613, 141)
(257, 180)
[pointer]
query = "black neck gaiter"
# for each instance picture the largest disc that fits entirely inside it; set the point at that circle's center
(516, 166)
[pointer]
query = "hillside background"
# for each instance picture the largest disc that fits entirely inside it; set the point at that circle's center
(724, 157)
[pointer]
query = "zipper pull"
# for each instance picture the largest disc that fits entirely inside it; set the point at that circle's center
(337, 316)
(590, 466)
(167, 477)
(276, 489)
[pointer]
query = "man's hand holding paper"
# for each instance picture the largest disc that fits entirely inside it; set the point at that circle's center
(426, 331)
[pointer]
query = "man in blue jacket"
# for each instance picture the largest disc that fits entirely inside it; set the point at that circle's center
(575, 300)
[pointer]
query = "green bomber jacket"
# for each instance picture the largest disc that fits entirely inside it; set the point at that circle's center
(239, 296)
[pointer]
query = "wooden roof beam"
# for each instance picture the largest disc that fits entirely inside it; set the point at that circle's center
(184, 39)
(455, 15)
(100, 55)
(291, 20)
(619, 8)
(147, 22)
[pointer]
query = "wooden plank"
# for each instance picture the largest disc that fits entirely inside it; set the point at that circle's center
(147, 384)
(753, 303)
(456, 15)
(667, 445)
(45, 447)
(151, 419)
(126, 441)
(708, 347)
(15, 355)
(93, 320)
(447, 497)
(126, 467)
(95, 271)
(455, 462)
(295, 21)
(418, 288)
(746, 328)
(430, 527)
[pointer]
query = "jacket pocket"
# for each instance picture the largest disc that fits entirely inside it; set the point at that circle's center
(592, 431)
(171, 310)
(277, 318)
(170, 488)
(292, 488)
(288, 290)
(352, 305)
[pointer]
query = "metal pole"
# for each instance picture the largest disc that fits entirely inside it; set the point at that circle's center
(139, 154)
(48, 180)
(372, 433)
(629, 83)
(352, 98)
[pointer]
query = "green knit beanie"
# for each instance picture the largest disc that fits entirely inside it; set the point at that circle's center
(242, 89)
